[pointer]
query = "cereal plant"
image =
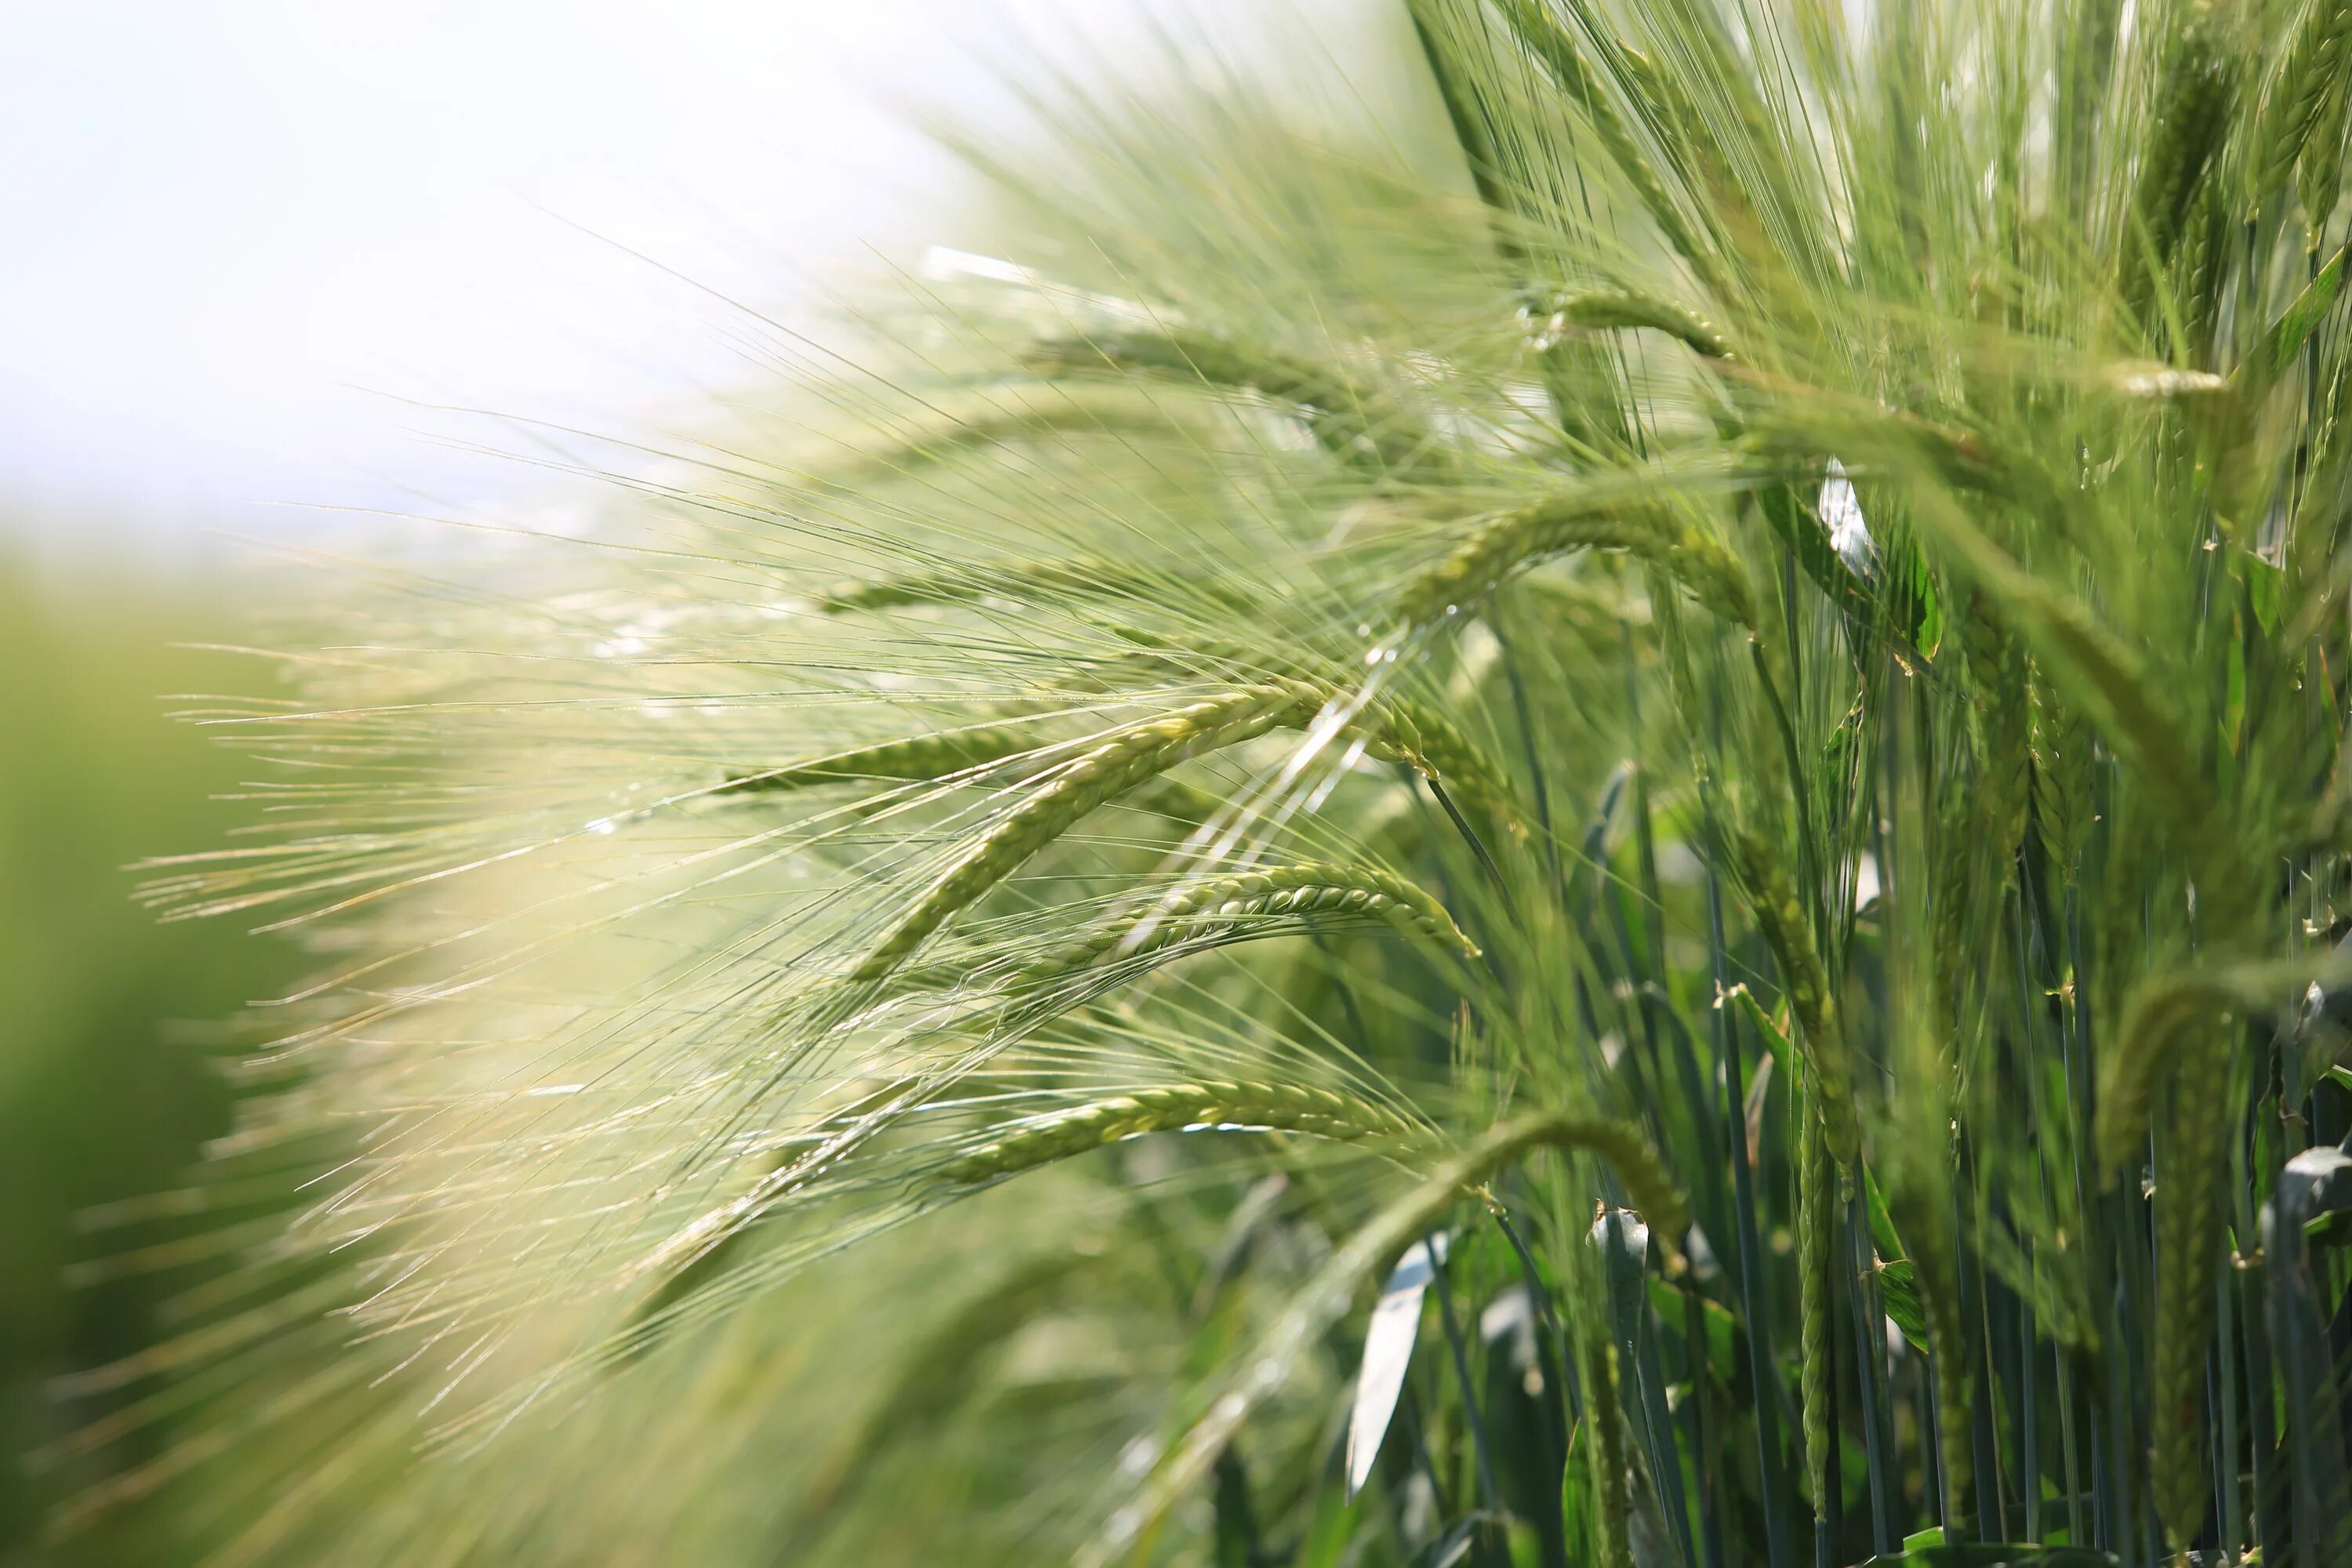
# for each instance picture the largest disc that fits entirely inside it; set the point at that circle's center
(1617, 840)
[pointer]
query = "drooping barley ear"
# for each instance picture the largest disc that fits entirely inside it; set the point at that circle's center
(1402, 729)
(1998, 669)
(2062, 774)
(2188, 1220)
(1393, 726)
(1355, 421)
(1082, 578)
(1773, 899)
(2296, 98)
(1952, 899)
(1102, 773)
(1636, 1165)
(1662, 99)
(1286, 1108)
(1546, 38)
(1310, 888)
(1605, 309)
(915, 758)
(1607, 1451)
(1468, 117)
(2164, 1012)
(2168, 1012)
(2195, 97)
(2319, 164)
(1816, 1209)
(1689, 552)
(2098, 676)
(1133, 756)
(714, 1242)
(1072, 415)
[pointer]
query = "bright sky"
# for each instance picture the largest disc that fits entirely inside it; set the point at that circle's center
(234, 235)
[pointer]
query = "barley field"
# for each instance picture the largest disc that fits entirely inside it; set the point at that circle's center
(1593, 814)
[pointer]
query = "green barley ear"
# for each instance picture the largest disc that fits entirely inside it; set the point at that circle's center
(2063, 759)
(1691, 553)
(1104, 773)
(1281, 1108)
(1553, 44)
(926, 758)
(2194, 100)
(2319, 172)
(1608, 308)
(1057, 582)
(1356, 422)
(2303, 92)
(2091, 669)
(1812, 996)
(1998, 669)
(1311, 888)
(1404, 729)
(2169, 1013)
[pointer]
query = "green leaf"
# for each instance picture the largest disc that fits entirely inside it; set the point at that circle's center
(2277, 347)
(1810, 544)
(1775, 1040)
(1898, 1293)
(1718, 1328)
(1883, 1237)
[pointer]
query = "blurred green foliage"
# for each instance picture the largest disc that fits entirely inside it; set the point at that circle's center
(107, 1088)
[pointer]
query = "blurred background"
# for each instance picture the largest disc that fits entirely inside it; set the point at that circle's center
(286, 283)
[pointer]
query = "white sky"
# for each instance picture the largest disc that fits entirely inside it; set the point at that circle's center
(229, 228)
